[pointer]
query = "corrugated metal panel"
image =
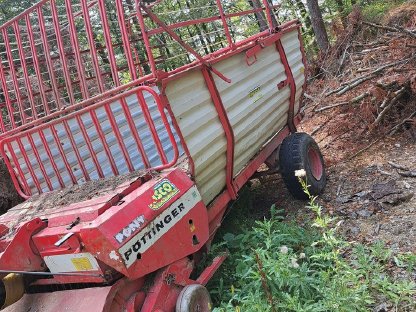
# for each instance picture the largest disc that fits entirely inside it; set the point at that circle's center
(291, 45)
(131, 146)
(255, 106)
(202, 130)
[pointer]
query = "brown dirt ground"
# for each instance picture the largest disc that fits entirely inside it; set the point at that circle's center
(8, 194)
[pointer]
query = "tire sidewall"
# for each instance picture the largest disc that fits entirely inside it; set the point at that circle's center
(294, 156)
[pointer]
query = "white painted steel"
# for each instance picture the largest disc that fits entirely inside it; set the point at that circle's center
(254, 116)
(202, 130)
(78, 262)
(131, 146)
(255, 107)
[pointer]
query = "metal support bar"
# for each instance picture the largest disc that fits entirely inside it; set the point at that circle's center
(292, 84)
(186, 46)
(228, 130)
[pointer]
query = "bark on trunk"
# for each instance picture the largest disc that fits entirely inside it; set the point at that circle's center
(318, 25)
(261, 18)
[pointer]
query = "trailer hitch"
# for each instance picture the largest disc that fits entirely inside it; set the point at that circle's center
(20, 253)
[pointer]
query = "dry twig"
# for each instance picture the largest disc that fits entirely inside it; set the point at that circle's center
(391, 131)
(352, 101)
(397, 166)
(393, 29)
(389, 104)
(348, 85)
(407, 174)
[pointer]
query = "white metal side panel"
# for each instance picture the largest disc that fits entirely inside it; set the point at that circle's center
(293, 51)
(255, 106)
(131, 146)
(202, 130)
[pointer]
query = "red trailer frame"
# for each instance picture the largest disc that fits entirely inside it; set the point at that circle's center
(32, 113)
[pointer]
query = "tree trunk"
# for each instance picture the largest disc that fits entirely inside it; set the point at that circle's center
(341, 11)
(261, 18)
(303, 13)
(318, 25)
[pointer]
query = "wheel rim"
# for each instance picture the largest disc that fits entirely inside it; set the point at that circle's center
(315, 163)
(194, 298)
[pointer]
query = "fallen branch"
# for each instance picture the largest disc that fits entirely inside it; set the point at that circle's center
(365, 148)
(391, 131)
(344, 55)
(397, 127)
(386, 100)
(373, 49)
(387, 86)
(383, 172)
(348, 85)
(406, 31)
(380, 26)
(397, 166)
(310, 97)
(356, 83)
(407, 174)
(353, 101)
(393, 29)
(315, 131)
(397, 95)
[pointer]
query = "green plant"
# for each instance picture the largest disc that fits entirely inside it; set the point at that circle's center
(281, 266)
(373, 11)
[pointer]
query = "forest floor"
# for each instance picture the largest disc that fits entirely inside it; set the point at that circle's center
(366, 131)
(360, 107)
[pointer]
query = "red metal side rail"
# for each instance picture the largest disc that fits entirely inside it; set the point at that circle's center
(63, 53)
(20, 180)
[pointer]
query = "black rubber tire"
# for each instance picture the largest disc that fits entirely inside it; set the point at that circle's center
(300, 151)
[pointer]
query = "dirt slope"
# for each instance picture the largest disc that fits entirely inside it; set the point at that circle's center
(8, 194)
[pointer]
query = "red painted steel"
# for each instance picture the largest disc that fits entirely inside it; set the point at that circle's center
(93, 225)
(292, 84)
(228, 130)
(53, 97)
(14, 167)
(305, 64)
(63, 85)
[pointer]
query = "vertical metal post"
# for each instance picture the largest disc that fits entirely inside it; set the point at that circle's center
(268, 14)
(125, 39)
(51, 158)
(76, 49)
(224, 23)
(108, 42)
(49, 63)
(13, 75)
(62, 152)
(146, 39)
(24, 69)
(228, 130)
(36, 64)
(62, 55)
(91, 43)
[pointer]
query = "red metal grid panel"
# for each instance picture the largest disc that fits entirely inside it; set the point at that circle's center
(60, 53)
(125, 133)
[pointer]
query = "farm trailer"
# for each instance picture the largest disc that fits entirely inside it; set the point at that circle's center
(128, 127)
